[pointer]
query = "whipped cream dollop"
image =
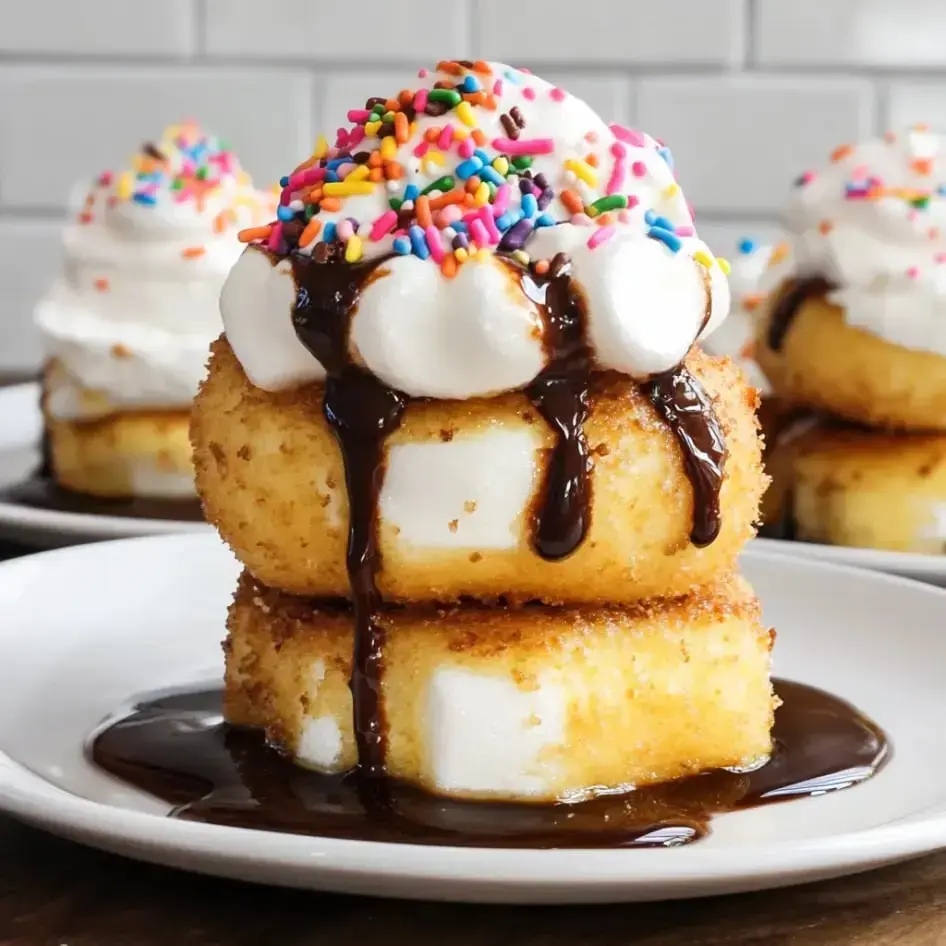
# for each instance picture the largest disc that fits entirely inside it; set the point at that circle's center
(463, 187)
(129, 319)
(757, 270)
(873, 222)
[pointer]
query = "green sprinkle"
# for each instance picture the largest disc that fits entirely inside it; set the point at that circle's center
(201, 174)
(522, 162)
(388, 117)
(921, 203)
(310, 211)
(449, 96)
(604, 204)
(443, 184)
(177, 184)
(492, 190)
(395, 203)
(224, 144)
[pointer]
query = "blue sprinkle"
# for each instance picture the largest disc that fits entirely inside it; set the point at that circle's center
(418, 242)
(664, 224)
(513, 77)
(338, 162)
(459, 226)
(331, 177)
(667, 156)
(328, 234)
(649, 217)
(284, 182)
(506, 220)
(470, 84)
(402, 245)
(482, 155)
(466, 169)
(411, 192)
(667, 237)
(941, 190)
(530, 206)
(145, 199)
(747, 246)
(544, 221)
(285, 213)
(490, 174)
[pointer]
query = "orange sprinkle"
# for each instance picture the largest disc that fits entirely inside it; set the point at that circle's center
(311, 194)
(374, 159)
(193, 252)
(840, 153)
(101, 285)
(448, 66)
(331, 204)
(779, 252)
(475, 98)
(222, 219)
(393, 171)
(490, 102)
(591, 137)
(392, 105)
(405, 97)
(449, 266)
(747, 350)
(542, 267)
(401, 128)
(890, 137)
(422, 208)
(479, 137)
(472, 182)
(922, 165)
(572, 202)
(592, 159)
(121, 351)
(604, 220)
(85, 217)
(432, 134)
(375, 174)
(482, 68)
(254, 233)
(825, 227)
(921, 126)
(311, 231)
(752, 301)
(452, 197)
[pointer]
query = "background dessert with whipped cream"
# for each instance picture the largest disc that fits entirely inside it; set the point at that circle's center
(855, 335)
(458, 393)
(127, 324)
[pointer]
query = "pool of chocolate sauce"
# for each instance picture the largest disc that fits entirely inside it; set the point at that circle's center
(177, 747)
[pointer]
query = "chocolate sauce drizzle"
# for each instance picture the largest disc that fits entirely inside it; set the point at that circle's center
(560, 394)
(361, 411)
(788, 304)
(177, 747)
(685, 407)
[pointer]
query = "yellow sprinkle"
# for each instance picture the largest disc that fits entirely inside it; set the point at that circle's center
(347, 189)
(371, 129)
(124, 187)
(243, 178)
(483, 255)
(592, 211)
(460, 134)
(703, 258)
(521, 257)
(388, 148)
(321, 147)
(672, 190)
(501, 165)
(724, 264)
(465, 113)
(482, 194)
(431, 157)
(353, 249)
(362, 171)
(583, 171)
(461, 254)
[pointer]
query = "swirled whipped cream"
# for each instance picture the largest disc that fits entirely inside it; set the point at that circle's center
(757, 269)
(129, 320)
(480, 167)
(874, 223)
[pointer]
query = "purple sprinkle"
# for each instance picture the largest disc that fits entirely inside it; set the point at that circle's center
(540, 179)
(516, 236)
(461, 242)
(545, 198)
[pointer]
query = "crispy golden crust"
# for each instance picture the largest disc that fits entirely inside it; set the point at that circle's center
(830, 366)
(650, 693)
(866, 489)
(121, 455)
(270, 474)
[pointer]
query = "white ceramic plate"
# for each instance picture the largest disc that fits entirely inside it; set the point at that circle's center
(20, 430)
(930, 568)
(85, 629)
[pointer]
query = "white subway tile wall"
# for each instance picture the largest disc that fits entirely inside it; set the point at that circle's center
(747, 93)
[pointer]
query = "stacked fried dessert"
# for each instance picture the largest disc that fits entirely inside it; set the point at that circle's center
(853, 338)
(488, 496)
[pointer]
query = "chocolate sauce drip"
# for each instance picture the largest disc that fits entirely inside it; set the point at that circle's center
(790, 300)
(687, 410)
(361, 411)
(177, 747)
(43, 492)
(560, 394)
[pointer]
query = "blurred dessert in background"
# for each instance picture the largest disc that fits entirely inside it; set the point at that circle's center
(127, 324)
(853, 343)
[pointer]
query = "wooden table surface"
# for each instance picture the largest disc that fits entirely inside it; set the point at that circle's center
(53, 892)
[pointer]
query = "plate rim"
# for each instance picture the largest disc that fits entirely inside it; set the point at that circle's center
(152, 836)
(51, 523)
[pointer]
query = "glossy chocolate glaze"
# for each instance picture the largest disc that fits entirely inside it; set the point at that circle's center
(177, 747)
(791, 297)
